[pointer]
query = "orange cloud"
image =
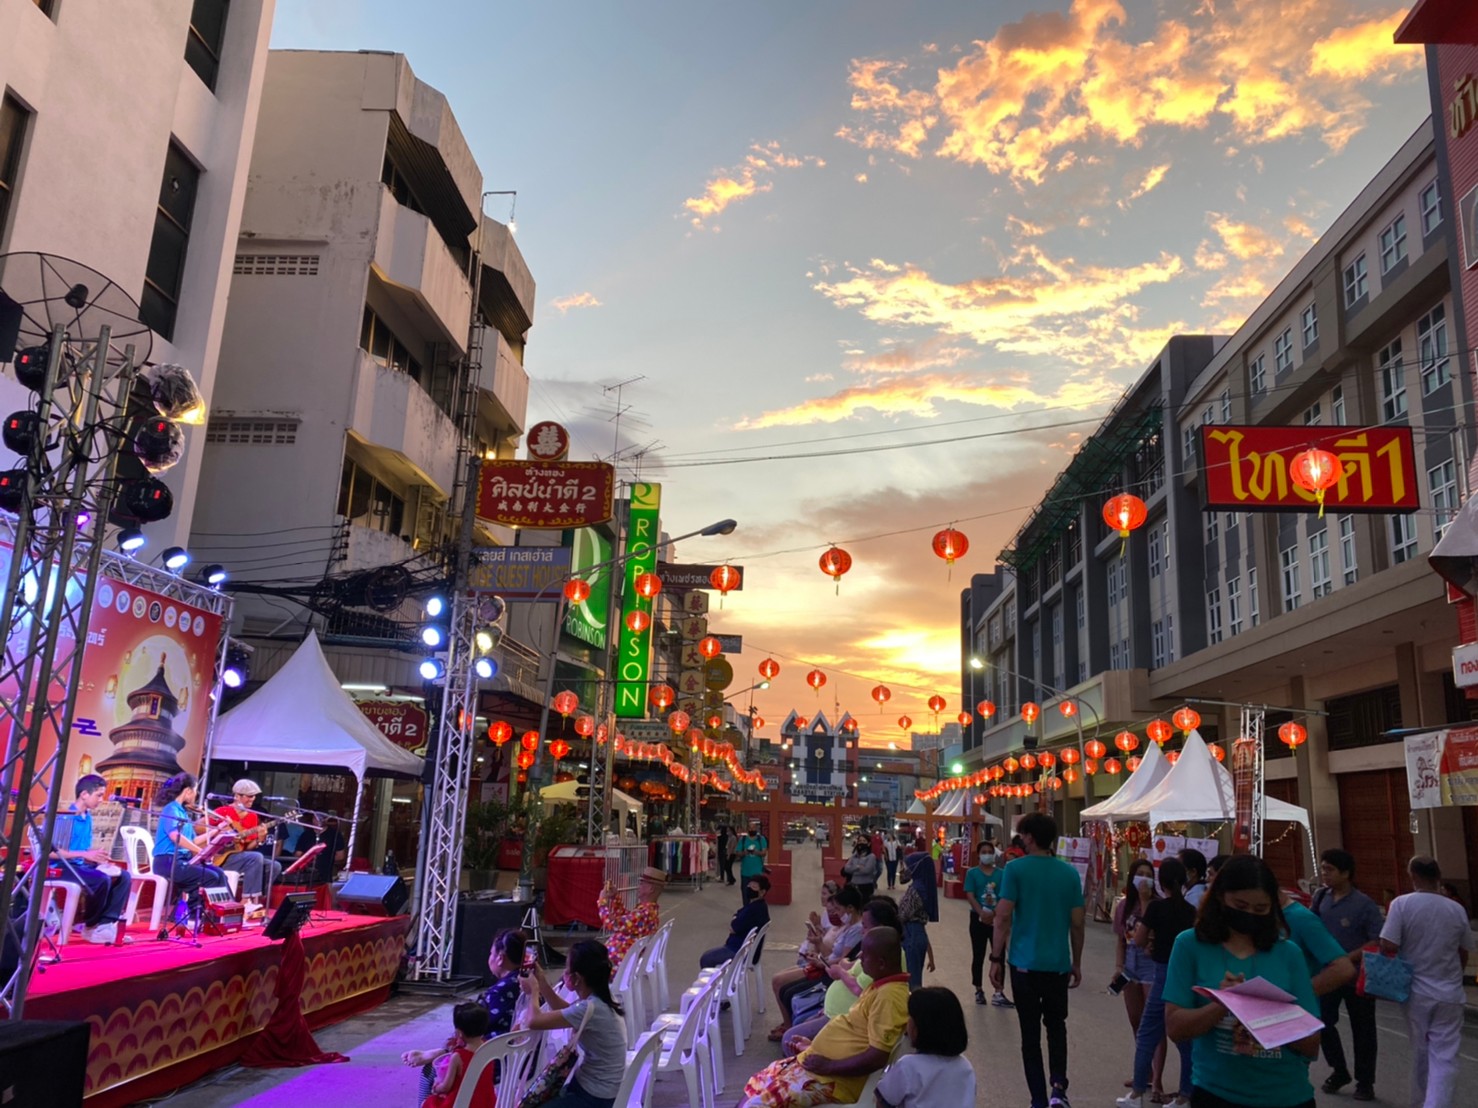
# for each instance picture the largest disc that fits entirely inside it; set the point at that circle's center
(578, 300)
(1258, 251)
(1021, 103)
(750, 177)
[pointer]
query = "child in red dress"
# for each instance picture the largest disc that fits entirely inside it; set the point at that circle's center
(471, 1022)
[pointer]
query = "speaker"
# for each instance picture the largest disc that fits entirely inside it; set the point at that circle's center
(43, 1063)
(477, 924)
(372, 894)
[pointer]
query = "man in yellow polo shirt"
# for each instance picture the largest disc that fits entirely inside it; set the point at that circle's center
(833, 1067)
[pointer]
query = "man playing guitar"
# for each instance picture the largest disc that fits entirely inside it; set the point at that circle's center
(253, 866)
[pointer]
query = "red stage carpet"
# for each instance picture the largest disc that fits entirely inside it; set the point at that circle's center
(164, 1015)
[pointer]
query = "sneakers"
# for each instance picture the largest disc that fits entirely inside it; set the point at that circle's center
(999, 1000)
(1336, 1081)
(980, 996)
(1058, 1099)
(1364, 1091)
(104, 934)
(1130, 1099)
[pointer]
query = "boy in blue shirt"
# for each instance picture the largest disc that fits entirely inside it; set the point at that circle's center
(107, 896)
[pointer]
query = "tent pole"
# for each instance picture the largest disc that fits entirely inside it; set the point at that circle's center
(354, 823)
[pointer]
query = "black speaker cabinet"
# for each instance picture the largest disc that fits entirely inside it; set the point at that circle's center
(477, 923)
(371, 894)
(42, 1063)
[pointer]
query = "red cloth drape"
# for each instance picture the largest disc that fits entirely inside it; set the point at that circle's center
(286, 1040)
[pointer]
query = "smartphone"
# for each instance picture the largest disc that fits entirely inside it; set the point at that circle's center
(531, 956)
(1116, 986)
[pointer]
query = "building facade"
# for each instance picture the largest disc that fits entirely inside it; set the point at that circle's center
(1334, 620)
(125, 135)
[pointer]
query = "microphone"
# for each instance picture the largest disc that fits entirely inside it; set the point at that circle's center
(120, 799)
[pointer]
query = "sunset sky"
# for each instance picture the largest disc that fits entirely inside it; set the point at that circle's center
(880, 265)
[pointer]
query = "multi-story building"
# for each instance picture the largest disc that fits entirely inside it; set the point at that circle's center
(125, 134)
(358, 374)
(1335, 618)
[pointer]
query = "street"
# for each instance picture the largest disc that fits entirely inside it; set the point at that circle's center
(1101, 1050)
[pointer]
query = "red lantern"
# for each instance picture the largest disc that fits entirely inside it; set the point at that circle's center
(816, 679)
(1070, 775)
(1055, 784)
(1113, 765)
(1173, 757)
(1090, 767)
(1046, 759)
(499, 733)
(1217, 752)
(584, 726)
(1126, 741)
(559, 748)
(1070, 756)
(647, 585)
(679, 721)
(565, 703)
(529, 740)
(525, 759)
(800, 723)
(1187, 719)
(600, 735)
(1094, 749)
(638, 621)
(662, 696)
(904, 722)
(577, 591)
(881, 693)
(986, 708)
(725, 579)
(1012, 765)
(850, 726)
(769, 668)
(1028, 761)
(1125, 513)
(1132, 763)
(1293, 735)
(1068, 708)
(1316, 471)
(964, 718)
(1030, 712)
(710, 647)
(523, 778)
(759, 721)
(950, 544)
(834, 563)
(714, 720)
(1160, 731)
(937, 703)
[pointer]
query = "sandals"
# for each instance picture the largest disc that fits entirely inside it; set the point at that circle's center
(778, 1033)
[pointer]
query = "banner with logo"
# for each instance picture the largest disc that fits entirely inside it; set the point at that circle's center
(586, 620)
(400, 721)
(1442, 768)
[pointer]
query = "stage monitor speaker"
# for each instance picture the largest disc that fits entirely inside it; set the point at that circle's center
(372, 894)
(43, 1063)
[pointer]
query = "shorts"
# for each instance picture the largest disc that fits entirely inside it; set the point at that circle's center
(787, 1084)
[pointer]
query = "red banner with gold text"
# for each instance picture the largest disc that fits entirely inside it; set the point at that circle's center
(1249, 469)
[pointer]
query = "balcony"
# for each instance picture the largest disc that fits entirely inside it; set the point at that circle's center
(368, 548)
(392, 412)
(412, 258)
(503, 400)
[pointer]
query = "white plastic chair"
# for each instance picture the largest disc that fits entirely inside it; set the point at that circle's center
(516, 1052)
(70, 891)
(687, 1051)
(654, 971)
(628, 990)
(641, 1072)
(866, 1097)
(138, 847)
(755, 979)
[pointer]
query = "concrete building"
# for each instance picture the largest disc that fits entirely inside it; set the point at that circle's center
(1334, 619)
(358, 376)
(125, 133)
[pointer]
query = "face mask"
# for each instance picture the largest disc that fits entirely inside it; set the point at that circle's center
(1251, 924)
(987, 859)
(1143, 882)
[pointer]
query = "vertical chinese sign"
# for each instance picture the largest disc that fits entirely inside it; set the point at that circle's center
(634, 657)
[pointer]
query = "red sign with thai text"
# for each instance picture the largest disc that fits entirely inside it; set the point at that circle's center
(1248, 469)
(401, 722)
(545, 495)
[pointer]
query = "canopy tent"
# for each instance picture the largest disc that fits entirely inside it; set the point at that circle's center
(567, 792)
(1152, 769)
(957, 806)
(301, 717)
(917, 808)
(1198, 788)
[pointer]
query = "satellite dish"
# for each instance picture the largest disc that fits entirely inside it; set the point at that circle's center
(52, 291)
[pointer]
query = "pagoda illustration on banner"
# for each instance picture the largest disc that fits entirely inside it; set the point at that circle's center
(146, 748)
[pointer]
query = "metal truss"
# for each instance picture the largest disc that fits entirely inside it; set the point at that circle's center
(1252, 726)
(602, 770)
(56, 550)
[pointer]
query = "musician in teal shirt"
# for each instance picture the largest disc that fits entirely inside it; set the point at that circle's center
(176, 853)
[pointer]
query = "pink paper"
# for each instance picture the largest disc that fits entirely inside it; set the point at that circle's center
(1271, 1016)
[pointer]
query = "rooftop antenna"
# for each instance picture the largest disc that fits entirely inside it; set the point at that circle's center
(617, 388)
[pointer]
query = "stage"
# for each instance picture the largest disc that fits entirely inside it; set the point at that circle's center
(163, 1014)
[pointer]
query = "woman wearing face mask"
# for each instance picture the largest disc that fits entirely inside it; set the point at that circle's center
(1239, 935)
(1135, 969)
(862, 870)
(982, 890)
(917, 908)
(844, 912)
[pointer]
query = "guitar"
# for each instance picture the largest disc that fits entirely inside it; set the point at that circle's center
(244, 837)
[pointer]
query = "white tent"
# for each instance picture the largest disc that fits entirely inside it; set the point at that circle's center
(566, 792)
(1152, 769)
(952, 807)
(1198, 788)
(917, 808)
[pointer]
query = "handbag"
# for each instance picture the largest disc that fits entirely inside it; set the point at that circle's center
(807, 1004)
(551, 1080)
(1386, 977)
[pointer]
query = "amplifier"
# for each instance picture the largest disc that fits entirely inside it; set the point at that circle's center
(222, 914)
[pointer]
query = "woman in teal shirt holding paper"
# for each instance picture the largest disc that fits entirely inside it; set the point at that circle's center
(1239, 936)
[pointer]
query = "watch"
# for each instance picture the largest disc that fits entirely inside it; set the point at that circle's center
(1001, 961)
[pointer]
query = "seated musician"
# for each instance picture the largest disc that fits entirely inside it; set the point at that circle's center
(177, 853)
(107, 895)
(253, 866)
(332, 858)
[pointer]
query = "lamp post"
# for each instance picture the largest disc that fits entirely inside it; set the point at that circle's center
(749, 717)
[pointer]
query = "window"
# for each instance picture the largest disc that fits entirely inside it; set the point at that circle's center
(1283, 352)
(255, 432)
(1392, 381)
(367, 502)
(1082, 609)
(1292, 590)
(1337, 405)
(1403, 539)
(203, 42)
(1157, 553)
(1190, 436)
(1059, 667)
(1114, 593)
(1116, 656)
(1213, 617)
(1309, 319)
(165, 272)
(1158, 653)
(1234, 520)
(1313, 415)
(1234, 605)
(1257, 376)
(376, 339)
(47, 7)
(1170, 637)
(1442, 484)
(1357, 281)
(1074, 546)
(13, 120)
(1320, 581)
(1213, 526)
(1431, 205)
(1226, 405)
(1431, 345)
(1254, 612)
(275, 265)
(1347, 564)
(1393, 244)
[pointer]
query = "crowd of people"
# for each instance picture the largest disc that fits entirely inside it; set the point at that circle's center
(1186, 930)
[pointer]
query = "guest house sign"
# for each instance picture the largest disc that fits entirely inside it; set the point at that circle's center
(1247, 469)
(545, 495)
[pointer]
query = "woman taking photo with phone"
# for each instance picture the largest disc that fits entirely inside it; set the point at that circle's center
(600, 1031)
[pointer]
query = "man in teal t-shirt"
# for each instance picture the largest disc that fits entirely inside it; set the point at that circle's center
(982, 892)
(1039, 931)
(752, 848)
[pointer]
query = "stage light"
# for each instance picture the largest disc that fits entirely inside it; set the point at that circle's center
(485, 668)
(435, 606)
(175, 558)
(147, 500)
(432, 669)
(232, 678)
(237, 667)
(84, 517)
(30, 366)
(22, 430)
(433, 635)
(131, 539)
(486, 639)
(213, 574)
(12, 488)
(159, 443)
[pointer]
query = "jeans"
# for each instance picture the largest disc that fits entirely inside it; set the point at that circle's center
(711, 959)
(1151, 1032)
(915, 943)
(981, 934)
(188, 876)
(253, 868)
(892, 865)
(1041, 1001)
(1436, 1029)
(576, 1097)
(107, 897)
(1362, 1031)
(1200, 1098)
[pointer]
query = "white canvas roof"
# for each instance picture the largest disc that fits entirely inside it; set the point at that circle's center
(917, 808)
(1198, 788)
(565, 792)
(1152, 768)
(301, 716)
(953, 805)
